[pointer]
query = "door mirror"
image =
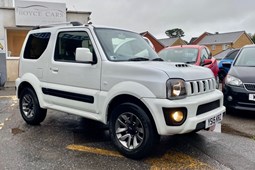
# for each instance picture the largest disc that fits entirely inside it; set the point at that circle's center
(83, 55)
(226, 65)
(207, 62)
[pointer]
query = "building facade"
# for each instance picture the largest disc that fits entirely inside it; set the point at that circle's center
(15, 22)
(220, 42)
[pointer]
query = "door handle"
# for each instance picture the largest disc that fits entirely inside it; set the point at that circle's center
(54, 69)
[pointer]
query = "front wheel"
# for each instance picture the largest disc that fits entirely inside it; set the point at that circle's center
(132, 131)
(30, 109)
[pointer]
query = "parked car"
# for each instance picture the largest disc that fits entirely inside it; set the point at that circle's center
(229, 58)
(239, 84)
(191, 54)
(113, 76)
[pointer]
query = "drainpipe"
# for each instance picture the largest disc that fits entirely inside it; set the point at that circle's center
(2, 69)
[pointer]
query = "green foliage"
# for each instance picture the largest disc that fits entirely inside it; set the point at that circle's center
(253, 38)
(175, 33)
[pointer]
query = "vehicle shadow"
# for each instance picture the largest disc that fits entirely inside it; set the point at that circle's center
(243, 114)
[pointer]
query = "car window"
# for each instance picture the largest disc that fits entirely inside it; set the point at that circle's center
(204, 55)
(120, 45)
(185, 55)
(232, 55)
(246, 57)
(68, 41)
(36, 45)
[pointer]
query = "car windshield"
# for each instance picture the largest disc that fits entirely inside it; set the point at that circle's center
(120, 45)
(185, 55)
(246, 57)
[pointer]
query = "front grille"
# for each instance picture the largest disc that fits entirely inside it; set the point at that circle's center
(250, 87)
(208, 107)
(200, 86)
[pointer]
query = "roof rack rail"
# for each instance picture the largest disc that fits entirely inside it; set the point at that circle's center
(73, 23)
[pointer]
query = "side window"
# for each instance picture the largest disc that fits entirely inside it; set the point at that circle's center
(36, 45)
(232, 55)
(68, 41)
(204, 55)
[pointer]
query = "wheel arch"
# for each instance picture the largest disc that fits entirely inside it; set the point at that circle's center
(30, 81)
(22, 86)
(126, 98)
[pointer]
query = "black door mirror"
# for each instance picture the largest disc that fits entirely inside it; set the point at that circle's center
(226, 65)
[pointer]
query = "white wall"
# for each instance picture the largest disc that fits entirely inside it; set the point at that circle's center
(6, 3)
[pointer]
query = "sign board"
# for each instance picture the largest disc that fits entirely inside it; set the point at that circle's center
(2, 46)
(31, 13)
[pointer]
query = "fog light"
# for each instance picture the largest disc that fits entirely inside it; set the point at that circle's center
(177, 116)
(230, 98)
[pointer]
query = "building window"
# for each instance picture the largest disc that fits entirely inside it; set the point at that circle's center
(15, 39)
(213, 47)
(224, 46)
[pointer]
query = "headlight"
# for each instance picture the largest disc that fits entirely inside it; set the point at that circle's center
(231, 80)
(175, 89)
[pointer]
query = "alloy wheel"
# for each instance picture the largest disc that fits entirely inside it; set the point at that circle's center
(129, 130)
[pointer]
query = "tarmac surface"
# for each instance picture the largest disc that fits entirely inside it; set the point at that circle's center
(65, 141)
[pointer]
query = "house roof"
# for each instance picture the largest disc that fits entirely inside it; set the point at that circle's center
(196, 40)
(223, 38)
(168, 41)
(192, 39)
(148, 33)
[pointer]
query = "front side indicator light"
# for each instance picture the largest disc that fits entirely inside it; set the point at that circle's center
(175, 116)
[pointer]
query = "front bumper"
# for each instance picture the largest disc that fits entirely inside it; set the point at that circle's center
(193, 121)
(238, 98)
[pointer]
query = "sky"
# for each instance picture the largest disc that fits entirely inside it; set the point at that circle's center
(194, 17)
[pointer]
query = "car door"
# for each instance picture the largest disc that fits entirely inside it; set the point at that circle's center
(73, 86)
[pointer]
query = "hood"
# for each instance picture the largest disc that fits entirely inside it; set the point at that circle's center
(153, 75)
(245, 74)
(180, 70)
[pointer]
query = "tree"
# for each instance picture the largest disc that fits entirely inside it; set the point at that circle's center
(253, 38)
(175, 33)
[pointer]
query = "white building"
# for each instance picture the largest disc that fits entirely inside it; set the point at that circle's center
(15, 22)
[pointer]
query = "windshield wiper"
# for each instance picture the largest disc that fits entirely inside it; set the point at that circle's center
(157, 59)
(138, 59)
(190, 62)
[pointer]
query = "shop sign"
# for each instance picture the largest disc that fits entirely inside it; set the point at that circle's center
(2, 47)
(31, 13)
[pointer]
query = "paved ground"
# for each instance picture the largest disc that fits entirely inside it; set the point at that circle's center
(65, 141)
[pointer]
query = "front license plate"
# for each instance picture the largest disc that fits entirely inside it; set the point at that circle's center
(213, 120)
(252, 97)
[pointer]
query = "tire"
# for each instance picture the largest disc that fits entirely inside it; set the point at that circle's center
(222, 74)
(132, 131)
(217, 82)
(30, 109)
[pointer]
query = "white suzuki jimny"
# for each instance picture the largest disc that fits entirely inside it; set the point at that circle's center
(114, 76)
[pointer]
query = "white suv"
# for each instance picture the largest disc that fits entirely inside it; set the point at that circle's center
(113, 76)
